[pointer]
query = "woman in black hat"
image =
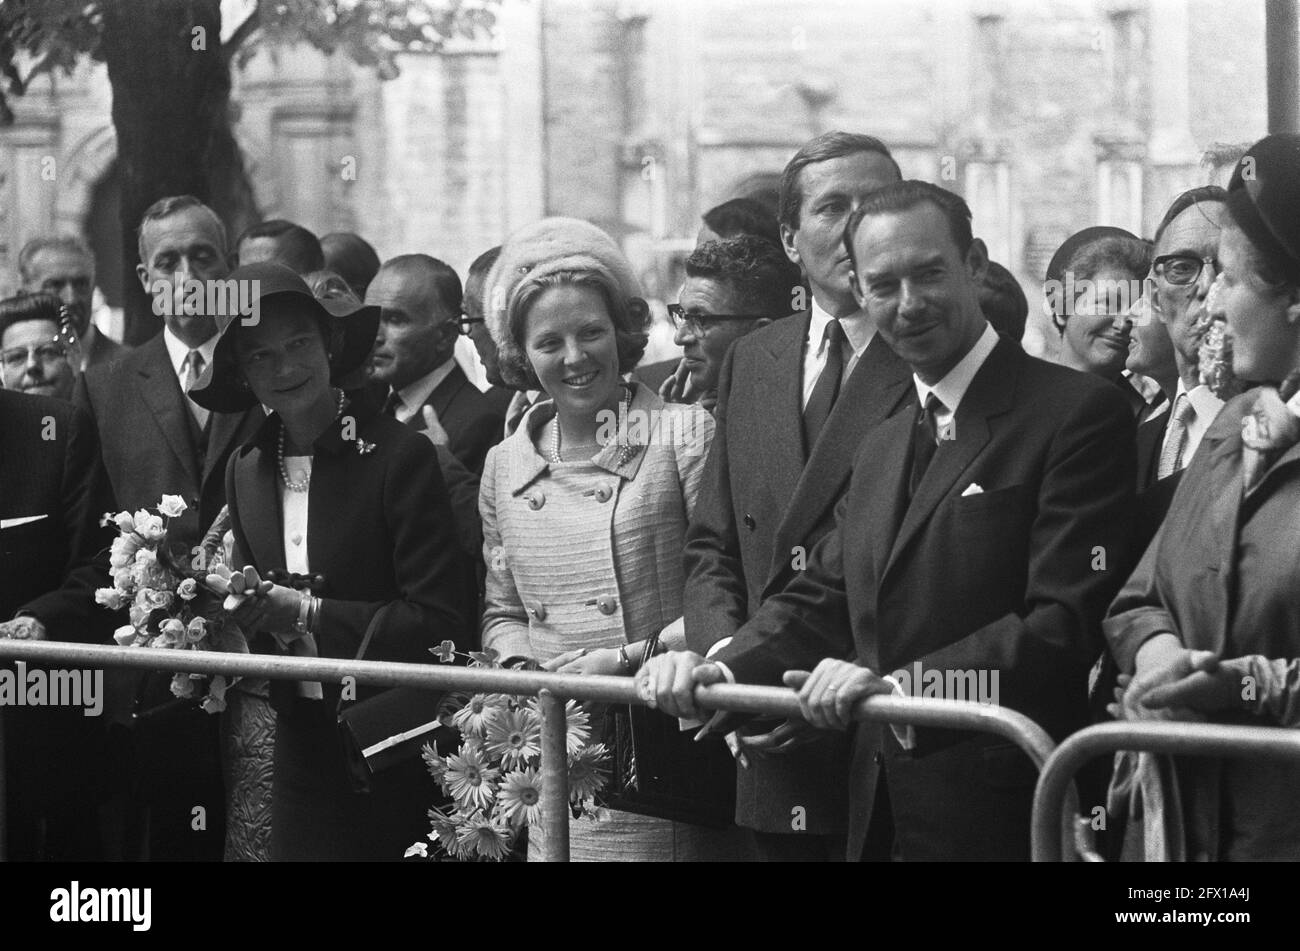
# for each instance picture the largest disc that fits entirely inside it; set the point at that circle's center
(346, 509)
(1094, 278)
(1209, 624)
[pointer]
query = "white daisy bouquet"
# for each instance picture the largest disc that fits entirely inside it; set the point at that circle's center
(494, 778)
(171, 606)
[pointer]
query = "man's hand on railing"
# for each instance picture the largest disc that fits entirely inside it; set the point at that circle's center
(827, 695)
(25, 628)
(667, 682)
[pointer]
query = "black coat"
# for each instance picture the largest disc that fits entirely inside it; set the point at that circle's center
(474, 421)
(762, 500)
(1006, 579)
(53, 554)
(380, 532)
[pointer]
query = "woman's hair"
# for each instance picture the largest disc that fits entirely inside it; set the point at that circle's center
(630, 317)
(1130, 255)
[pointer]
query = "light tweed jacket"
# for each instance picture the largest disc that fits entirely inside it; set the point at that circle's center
(589, 554)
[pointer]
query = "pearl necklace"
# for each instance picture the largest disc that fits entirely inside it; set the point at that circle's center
(626, 403)
(284, 470)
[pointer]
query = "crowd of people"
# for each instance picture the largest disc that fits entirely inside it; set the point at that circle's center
(854, 471)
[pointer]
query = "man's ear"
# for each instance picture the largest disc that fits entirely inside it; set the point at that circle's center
(787, 242)
(977, 260)
(1293, 304)
(858, 296)
(142, 272)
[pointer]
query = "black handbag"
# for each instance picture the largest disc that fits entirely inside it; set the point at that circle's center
(390, 728)
(658, 769)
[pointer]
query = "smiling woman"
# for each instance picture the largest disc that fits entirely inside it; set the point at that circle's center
(1093, 280)
(584, 524)
(347, 508)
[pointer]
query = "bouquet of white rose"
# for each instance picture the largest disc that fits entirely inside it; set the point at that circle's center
(494, 778)
(170, 606)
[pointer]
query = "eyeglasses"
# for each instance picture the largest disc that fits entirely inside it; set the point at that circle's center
(700, 323)
(467, 323)
(1182, 269)
(15, 358)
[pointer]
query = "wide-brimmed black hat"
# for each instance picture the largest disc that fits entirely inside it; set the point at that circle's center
(279, 291)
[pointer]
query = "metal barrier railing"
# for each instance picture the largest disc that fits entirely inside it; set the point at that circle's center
(552, 690)
(1056, 778)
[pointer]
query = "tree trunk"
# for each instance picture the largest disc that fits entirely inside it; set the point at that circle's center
(171, 92)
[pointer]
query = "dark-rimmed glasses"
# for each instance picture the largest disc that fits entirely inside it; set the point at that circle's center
(1182, 269)
(699, 323)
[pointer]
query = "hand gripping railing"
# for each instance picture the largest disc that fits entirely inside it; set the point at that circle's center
(552, 689)
(1189, 739)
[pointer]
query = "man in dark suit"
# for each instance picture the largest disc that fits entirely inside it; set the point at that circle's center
(53, 555)
(793, 404)
(64, 266)
(156, 440)
(985, 527)
(420, 298)
(1185, 266)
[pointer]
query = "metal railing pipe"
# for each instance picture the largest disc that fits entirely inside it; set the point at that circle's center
(1188, 739)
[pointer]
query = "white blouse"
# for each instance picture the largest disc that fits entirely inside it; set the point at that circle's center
(293, 505)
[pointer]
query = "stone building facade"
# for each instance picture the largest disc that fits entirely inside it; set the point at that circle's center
(640, 114)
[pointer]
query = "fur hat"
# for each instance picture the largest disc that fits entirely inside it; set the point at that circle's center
(547, 247)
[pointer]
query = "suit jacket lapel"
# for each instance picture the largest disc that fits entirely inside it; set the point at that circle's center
(443, 395)
(1222, 442)
(783, 379)
(889, 498)
(258, 496)
(877, 386)
(226, 427)
(991, 393)
(161, 391)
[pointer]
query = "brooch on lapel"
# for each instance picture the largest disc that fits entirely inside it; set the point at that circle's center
(364, 448)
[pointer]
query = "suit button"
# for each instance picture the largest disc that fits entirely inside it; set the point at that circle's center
(878, 758)
(536, 499)
(749, 522)
(607, 604)
(537, 610)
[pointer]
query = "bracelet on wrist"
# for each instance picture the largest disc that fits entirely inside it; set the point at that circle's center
(624, 659)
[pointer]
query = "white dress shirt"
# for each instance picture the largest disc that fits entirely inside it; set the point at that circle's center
(858, 331)
(413, 395)
(952, 388)
(1206, 406)
(178, 352)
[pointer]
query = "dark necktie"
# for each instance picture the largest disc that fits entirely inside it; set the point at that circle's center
(391, 404)
(925, 440)
(827, 387)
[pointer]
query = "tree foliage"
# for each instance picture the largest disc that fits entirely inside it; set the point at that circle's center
(45, 36)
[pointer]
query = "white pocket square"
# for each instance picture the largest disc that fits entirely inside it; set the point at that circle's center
(973, 489)
(22, 520)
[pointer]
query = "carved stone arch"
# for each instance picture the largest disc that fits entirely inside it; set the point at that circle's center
(84, 165)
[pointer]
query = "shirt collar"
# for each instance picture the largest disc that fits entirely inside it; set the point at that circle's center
(1203, 401)
(414, 395)
(177, 351)
(952, 388)
(858, 326)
